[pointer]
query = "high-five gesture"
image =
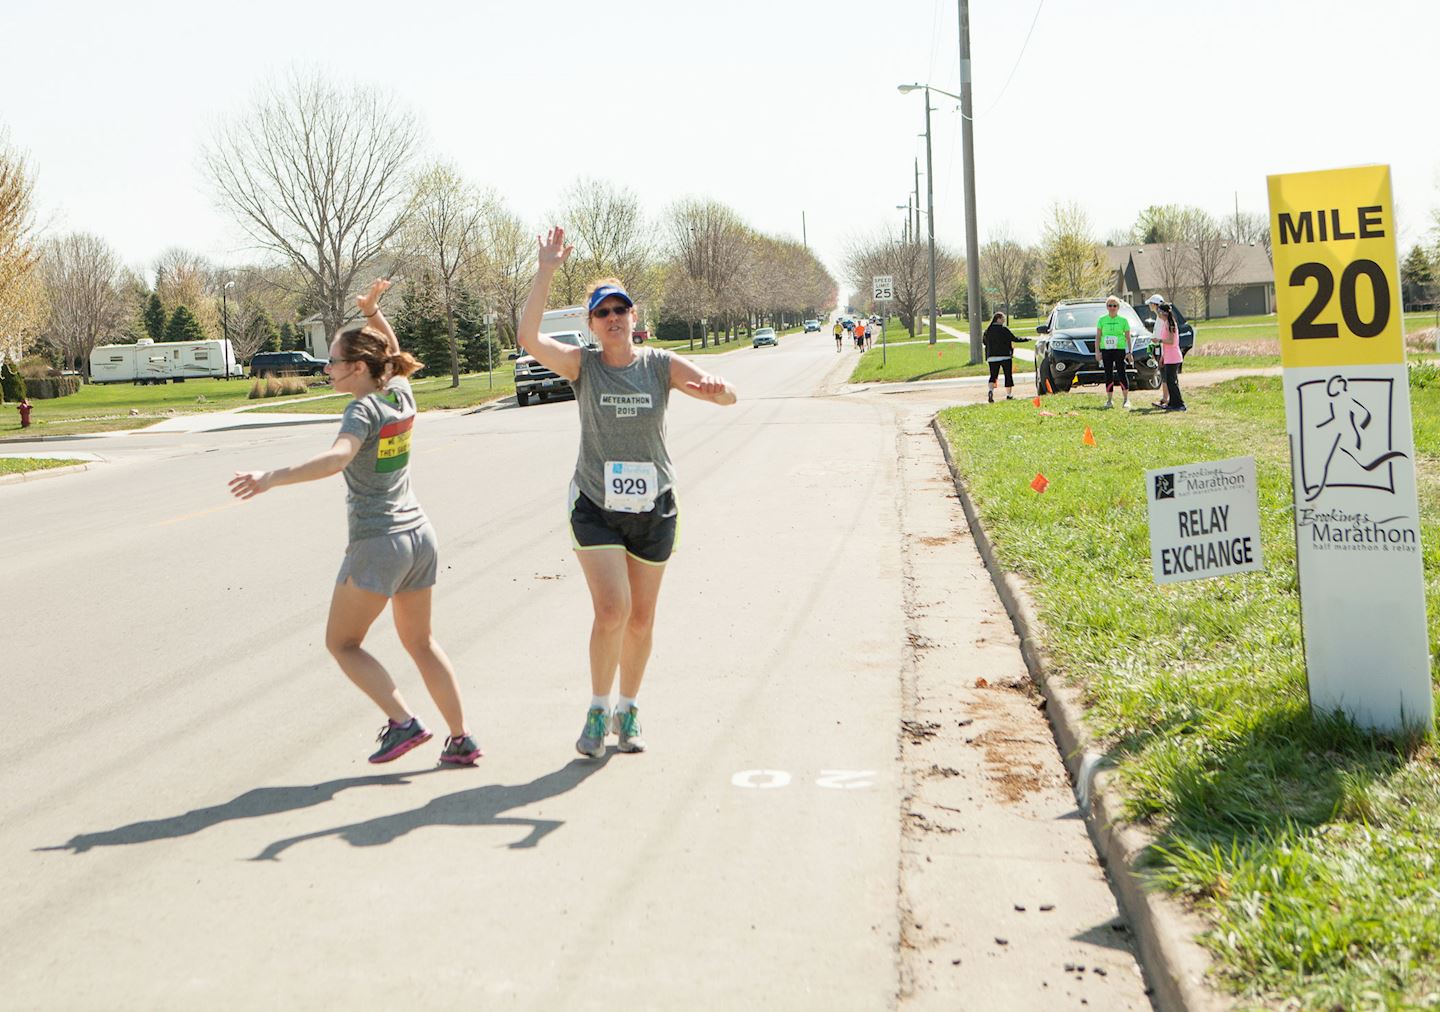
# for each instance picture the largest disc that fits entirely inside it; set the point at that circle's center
(553, 251)
(369, 302)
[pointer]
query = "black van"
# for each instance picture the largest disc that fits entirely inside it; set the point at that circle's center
(286, 363)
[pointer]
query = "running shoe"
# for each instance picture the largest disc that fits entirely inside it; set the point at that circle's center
(592, 739)
(990, 396)
(461, 751)
(397, 739)
(627, 726)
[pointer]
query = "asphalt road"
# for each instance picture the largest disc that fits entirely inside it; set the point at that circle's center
(187, 818)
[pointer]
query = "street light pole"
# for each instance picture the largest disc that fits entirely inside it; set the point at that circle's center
(225, 326)
(930, 213)
(967, 129)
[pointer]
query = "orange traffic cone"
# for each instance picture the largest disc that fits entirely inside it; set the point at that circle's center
(1037, 400)
(1040, 483)
(1089, 437)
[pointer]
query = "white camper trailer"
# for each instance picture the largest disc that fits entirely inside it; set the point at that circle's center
(148, 361)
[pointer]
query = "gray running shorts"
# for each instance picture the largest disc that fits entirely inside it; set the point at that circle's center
(393, 563)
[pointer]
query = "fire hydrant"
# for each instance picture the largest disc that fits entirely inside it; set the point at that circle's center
(24, 414)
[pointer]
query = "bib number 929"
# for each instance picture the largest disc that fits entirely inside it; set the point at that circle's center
(1305, 328)
(629, 486)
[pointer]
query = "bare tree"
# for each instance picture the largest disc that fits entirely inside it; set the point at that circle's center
(186, 278)
(710, 243)
(21, 294)
(1173, 267)
(81, 274)
(508, 268)
(319, 176)
(444, 240)
(908, 266)
(1212, 259)
(1248, 228)
(1005, 265)
(261, 297)
(612, 239)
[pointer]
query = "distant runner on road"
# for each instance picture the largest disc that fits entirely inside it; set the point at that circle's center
(392, 553)
(622, 508)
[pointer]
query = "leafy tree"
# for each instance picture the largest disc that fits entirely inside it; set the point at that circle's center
(183, 326)
(1070, 262)
(154, 318)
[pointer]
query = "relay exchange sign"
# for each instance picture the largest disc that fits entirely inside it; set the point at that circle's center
(1352, 449)
(1204, 520)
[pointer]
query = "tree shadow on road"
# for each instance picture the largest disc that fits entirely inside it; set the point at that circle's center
(253, 804)
(479, 806)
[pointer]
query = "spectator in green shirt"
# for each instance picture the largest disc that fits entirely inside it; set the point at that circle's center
(1112, 350)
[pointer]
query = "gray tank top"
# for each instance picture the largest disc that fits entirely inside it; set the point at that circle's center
(622, 418)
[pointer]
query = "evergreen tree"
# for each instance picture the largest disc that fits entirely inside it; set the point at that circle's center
(286, 336)
(154, 317)
(269, 336)
(183, 326)
(1417, 275)
(420, 326)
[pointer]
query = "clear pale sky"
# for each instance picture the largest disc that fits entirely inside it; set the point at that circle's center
(772, 106)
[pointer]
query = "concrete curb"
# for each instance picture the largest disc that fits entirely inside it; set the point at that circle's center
(49, 472)
(1175, 965)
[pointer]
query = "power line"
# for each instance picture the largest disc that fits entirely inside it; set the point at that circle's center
(1038, 8)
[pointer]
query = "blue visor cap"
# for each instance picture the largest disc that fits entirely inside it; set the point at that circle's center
(605, 291)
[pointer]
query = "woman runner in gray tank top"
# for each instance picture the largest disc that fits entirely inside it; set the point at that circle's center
(622, 511)
(391, 556)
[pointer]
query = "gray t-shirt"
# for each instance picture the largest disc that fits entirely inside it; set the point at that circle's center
(380, 501)
(622, 417)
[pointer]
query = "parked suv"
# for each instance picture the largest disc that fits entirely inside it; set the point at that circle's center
(1065, 354)
(286, 363)
(533, 379)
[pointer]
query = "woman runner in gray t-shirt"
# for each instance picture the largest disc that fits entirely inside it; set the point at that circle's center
(391, 556)
(622, 511)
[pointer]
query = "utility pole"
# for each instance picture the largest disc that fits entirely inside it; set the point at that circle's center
(915, 230)
(972, 239)
(930, 214)
(804, 236)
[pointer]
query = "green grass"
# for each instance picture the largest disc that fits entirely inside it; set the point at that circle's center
(716, 346)
(431, 393)
(907, 362)
(106, 407)
(1310, 846)
(20, 465)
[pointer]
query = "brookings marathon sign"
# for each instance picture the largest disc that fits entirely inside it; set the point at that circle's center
(1204, 520)
(1352, 452)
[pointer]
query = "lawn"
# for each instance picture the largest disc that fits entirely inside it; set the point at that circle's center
(1309, 846)
(106, 407)
(431, 393)
(913, 358)
(20, 465)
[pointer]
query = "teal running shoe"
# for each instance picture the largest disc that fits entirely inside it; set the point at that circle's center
(627, 726)
(461, 751)
(592, 739)
(397, 739)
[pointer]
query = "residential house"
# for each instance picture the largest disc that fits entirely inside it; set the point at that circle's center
(1248, 288)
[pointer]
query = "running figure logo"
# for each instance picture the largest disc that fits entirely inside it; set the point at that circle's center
(1346, 435)
(1165, 486)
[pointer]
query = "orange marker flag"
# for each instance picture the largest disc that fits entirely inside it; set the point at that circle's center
(1089, 437)
(1037, 401)
(1040, 483)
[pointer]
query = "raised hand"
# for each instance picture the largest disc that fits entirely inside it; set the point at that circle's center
(369, 302)
(553, 251)
(249, 484)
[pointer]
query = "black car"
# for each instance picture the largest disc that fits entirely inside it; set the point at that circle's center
(286, 363)
(1065, 353)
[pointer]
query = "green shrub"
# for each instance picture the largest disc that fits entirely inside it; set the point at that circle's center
(46, 388)
(1424, 375)
(12, 384)
(670, 330)
(36, 367)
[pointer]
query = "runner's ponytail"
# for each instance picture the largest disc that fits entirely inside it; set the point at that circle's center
(362, 344)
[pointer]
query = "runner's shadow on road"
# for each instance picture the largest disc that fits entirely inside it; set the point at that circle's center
(479, 806)
(253, 804)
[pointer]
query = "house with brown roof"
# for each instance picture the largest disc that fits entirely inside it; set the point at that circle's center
(1245, 278)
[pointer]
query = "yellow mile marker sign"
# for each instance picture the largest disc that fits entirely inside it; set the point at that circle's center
(1347, 409)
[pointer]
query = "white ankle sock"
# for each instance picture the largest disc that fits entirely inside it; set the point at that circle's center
(626, 704)
(600, 703)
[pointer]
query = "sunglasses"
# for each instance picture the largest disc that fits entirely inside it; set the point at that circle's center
(605, 311)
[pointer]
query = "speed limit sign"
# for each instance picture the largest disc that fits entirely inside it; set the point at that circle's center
(884, 287)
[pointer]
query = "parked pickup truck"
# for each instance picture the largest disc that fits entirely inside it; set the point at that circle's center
(533, 380)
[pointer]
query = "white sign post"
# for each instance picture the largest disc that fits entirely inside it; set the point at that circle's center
(1352, 448)
(1204, 520)
(884, 289)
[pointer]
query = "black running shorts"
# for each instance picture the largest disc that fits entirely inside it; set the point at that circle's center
(647, 537)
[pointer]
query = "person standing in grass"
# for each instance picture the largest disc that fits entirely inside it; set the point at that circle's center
(1112, 350)
(1167, 334)
(391, 558)
(622, 508)
(999, 345)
